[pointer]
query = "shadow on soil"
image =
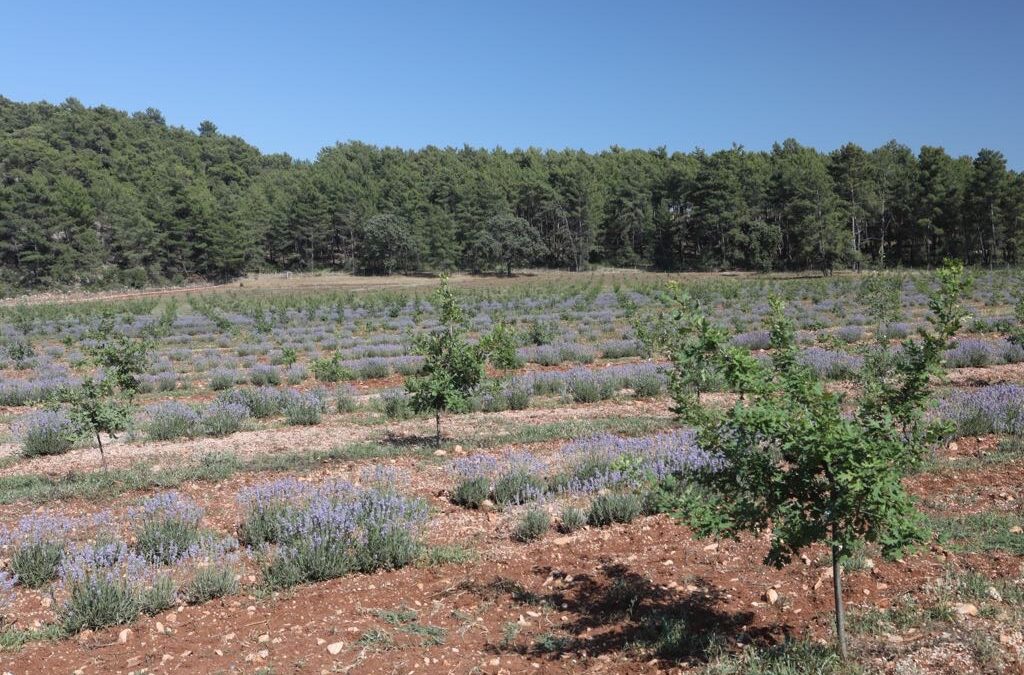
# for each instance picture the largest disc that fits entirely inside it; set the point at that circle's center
(619, 611)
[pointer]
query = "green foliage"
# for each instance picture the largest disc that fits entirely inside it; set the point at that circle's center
(160, 595)
(37, 562)
(396, 405)
(106, 602)
(1017, 331)
(571, 519)
(505, 241)
(881, 294)
(471, 491)
(105, 406)
(330, 369)
(614, 507)
(387, 246)
(534, 524)
(453, 367)
(500, 346)
(795, 463)
(211, 581)
(176, 205)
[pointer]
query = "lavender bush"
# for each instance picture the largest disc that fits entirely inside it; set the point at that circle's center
(264, 375)
(345, 399)
(36, 548)
(831, 365)
(221, 418)
(45, 432)
(169, 420)
(262, 402)
(328, 530)
(304, 407)
(223, 378)
(103, 584)
(997, 409)
(603, 462)
(167, 528)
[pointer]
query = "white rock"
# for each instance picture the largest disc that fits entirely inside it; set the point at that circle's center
(335, 648)
(966, 609)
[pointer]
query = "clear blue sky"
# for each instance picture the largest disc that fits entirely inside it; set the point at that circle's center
(295, 76)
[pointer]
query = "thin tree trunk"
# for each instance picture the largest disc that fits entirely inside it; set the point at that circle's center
(437, 419)
(837, 588)
(103, 458)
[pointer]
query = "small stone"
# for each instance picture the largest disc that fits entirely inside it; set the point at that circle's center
(166, 657)
(125, 635)
(440, 453)
(218, 652)
(487, 505)
(953, 447)
(229, 637)
(495, 661)
(1016, 529)
(263, 638)
(771, 596)
(668, 563)
(335, 648)
(263, 653)
(966, 609)
(172, 617)
(159, 627)
(457, 448)
(46, 602)
(711, 547)
(320, 642)
(561, 541)
(994, 593)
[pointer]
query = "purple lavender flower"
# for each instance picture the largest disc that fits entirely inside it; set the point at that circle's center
(993, 409)
(221, 418)
(169, 420)
(45, 432)
(830, 364)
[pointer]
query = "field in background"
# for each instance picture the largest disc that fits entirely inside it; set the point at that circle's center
(300, 377)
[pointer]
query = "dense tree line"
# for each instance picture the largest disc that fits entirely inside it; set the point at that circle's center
(97, 196)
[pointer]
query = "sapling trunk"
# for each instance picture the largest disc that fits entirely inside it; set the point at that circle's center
(103, 458)
(437, 419)
(837, 588)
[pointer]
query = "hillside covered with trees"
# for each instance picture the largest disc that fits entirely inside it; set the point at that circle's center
(96, 196)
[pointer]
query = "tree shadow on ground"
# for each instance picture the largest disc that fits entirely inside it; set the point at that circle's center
(619, 610)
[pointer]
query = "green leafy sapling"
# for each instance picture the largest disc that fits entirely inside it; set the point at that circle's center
(702, 358)
(104, 405)
(453, 367)
(500, 345)
(794, 462)
(1017, 331)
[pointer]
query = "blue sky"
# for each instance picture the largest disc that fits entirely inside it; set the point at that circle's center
(297, 76)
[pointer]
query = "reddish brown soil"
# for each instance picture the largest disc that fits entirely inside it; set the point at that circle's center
(598, 591)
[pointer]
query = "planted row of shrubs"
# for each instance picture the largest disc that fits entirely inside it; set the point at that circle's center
(604, 510)
(231, 412)
(293, 532)
(103, 580)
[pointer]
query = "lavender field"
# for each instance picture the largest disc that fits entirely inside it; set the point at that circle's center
(272, 452)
